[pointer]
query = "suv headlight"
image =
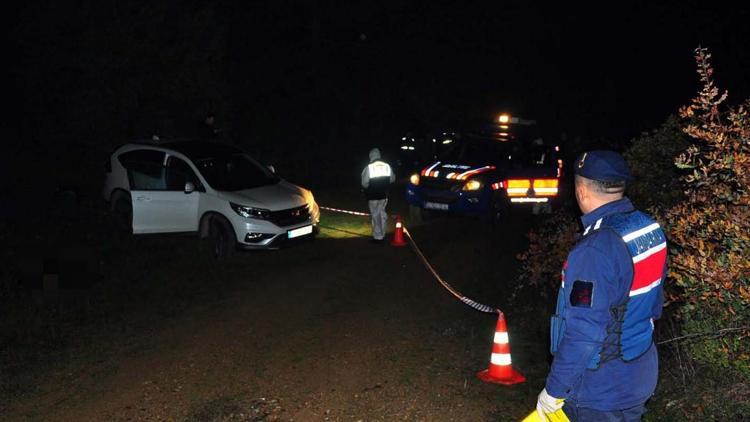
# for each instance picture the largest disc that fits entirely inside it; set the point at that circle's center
(250, 212)
(414, 179)
(473, 185)
(310, 199)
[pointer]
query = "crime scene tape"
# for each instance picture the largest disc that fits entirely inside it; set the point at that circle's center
(361, 214)
(474, 305)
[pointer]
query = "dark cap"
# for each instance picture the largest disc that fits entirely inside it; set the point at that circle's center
(604, 166)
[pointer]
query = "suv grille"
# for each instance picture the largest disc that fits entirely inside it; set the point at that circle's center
(290, 216)
(439, 184)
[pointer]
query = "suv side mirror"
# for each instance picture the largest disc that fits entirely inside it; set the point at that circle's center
(270, 167)
(189, 187)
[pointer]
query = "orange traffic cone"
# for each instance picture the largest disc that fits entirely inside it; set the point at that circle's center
(500, 370)
(398, 235)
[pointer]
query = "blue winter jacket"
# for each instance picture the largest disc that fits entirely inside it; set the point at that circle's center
(597, 278)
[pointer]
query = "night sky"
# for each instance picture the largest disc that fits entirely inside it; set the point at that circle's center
(362, 71)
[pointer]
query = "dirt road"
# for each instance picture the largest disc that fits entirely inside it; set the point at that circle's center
(336, 329)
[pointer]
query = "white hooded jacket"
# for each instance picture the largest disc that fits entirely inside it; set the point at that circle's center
(377, 177)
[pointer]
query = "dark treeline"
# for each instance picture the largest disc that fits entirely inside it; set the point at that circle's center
(310, 81)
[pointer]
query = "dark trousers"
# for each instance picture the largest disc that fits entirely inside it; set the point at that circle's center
(583, 414)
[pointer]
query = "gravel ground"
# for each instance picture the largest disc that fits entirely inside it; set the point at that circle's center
(338, 329)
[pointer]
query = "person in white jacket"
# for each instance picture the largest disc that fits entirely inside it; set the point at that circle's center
(377, 178)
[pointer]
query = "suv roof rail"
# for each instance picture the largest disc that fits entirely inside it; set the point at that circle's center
(158, 140)
(153, 140)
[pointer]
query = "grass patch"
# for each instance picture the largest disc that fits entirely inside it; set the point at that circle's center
(704, 394)
(342, 226)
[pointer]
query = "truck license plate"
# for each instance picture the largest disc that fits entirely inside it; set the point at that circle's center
(435, 206)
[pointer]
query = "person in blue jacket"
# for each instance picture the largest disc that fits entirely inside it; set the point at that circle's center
(605, 364)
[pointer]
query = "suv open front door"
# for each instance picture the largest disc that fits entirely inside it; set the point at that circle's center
(161, 204)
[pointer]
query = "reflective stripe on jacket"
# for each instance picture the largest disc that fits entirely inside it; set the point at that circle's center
(376, 180)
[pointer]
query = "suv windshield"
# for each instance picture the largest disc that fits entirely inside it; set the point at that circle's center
(234, 172)
(477, 152)
(512, 148)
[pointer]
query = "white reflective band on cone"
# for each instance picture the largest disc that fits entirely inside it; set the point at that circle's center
(501, 338)
(500, 359)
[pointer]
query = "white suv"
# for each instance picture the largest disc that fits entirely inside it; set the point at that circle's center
(212, 189)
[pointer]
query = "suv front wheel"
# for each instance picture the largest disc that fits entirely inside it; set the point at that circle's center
(222, 240)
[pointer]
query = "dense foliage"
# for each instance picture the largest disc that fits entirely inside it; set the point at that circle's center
(549, 245)
(709, 232)
(656, 184)
(693, 175)
(650, 156)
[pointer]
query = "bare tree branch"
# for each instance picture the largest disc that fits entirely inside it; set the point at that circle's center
(713, 334)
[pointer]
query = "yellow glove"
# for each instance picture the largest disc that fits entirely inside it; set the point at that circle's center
(558, 416)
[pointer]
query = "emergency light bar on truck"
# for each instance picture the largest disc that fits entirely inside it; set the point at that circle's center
(506, 119)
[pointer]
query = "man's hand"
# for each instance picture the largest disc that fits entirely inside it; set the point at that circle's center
(547, 404)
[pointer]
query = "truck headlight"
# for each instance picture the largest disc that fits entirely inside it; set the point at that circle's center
(250, 212)
(473, 185)
(414, 179)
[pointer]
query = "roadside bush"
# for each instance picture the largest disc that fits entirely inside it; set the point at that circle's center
(656, 185)
(656, 182)
(693, 174)
(709, 231)
(549, 244)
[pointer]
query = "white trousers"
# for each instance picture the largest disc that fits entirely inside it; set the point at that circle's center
(379, 218)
